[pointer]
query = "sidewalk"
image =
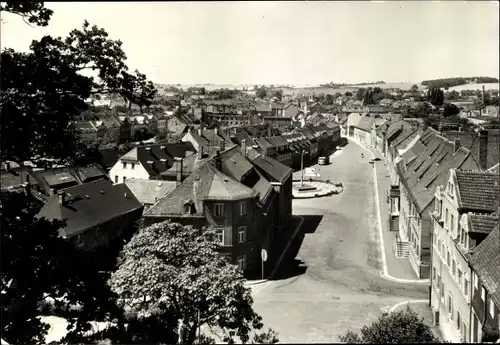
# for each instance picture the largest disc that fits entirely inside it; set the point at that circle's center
(396, 268)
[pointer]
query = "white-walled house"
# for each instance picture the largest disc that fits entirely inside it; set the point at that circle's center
(148, 162)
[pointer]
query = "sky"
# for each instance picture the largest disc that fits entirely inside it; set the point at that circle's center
(295, 43)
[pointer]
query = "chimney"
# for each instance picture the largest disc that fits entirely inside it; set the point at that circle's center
(125, 195)
(244, 147)
(178, 170)
(456, 144)
(199, 131)
(200, 152)
(27, 188)
(269, 132)
(7, 166)
(483, 149)
(222, 145)
(61, 196)
(218, 161)
(216, 131)
(482, 96)
(459, 128)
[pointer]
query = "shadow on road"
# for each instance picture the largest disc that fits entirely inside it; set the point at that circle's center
(291, 266)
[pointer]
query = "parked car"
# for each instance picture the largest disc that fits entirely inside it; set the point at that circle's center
(323, 160)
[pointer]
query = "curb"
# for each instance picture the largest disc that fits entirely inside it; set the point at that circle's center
(384, 272)
(317, 195)
(397, 305)
(273, 272)
(255, 282)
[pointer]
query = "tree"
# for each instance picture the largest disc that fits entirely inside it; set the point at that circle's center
(43, 89)
(37, 263)
(168, 268)
(278, 94)
(329, 99)
(414, 88)
(32, 12)
(360, 94)
(422, 110)
(261, 92)
(435, 96)
(348, 94)
(401, 327)
(450, 109)
(135, 88)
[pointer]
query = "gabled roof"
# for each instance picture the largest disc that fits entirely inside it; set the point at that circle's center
(271, 168)
(485, 261)
(205, 183)
(90, 204)
(429, 167)
(470, 140)
(149, 191)
(263, 143)
(478, 190)
(482, 223)
(108, 157)
(277, 141)
(158, 158)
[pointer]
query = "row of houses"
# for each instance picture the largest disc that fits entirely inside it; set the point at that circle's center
(444, 207)
(225, 180)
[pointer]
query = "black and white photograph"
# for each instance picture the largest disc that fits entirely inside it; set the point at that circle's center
(249, 172)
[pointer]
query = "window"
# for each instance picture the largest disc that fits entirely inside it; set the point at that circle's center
(434, 274)
(448, 259)
(452, 223)
(454, 268)
(187, 208)
(132, 166)
(492, 308)
(116, 178)
(483, 294)
(459, 278)
(446, 220)
(243, 208)
(124, 178)
(242, 234)
(466, 287)
(459, 320)
(474, 277)
(219, 235)
(242, 262)
(450, 307)
(124, 164)
(218, 210)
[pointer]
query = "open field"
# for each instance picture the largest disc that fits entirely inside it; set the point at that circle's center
(487, 86)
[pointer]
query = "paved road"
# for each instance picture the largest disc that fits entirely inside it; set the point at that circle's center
(333, 284)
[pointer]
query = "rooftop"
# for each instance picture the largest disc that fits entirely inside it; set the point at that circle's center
(478, 190)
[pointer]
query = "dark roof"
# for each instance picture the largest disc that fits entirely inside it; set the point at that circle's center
(90, 204)
(478, 190)
(263, 143)
(277, 141)
(191, 163)
(271, 168)
(158, 158)
(205, 183)
(109, 157)
(430, 167)
(482, 223)
(485, 262)
(470, 140)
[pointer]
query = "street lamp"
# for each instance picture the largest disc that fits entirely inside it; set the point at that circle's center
(302, 167)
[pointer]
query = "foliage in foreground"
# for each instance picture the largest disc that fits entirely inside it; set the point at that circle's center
(170, 269)
(400, 327)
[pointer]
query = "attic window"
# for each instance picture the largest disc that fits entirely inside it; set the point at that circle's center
(187, 208)
(102, 191)
(87, 196)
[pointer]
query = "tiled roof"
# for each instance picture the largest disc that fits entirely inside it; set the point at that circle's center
(495, 169)
(277, 141)
(482, 223)
(191, 163)
(270, 167)
(485, 261)
(149, 191)
(215, 136)
(430, 167)
(470, 140)
(90, 204)
(108, 157)
(205, 183)
(365, 123)
(263, 143)
(478, 190)
(157, 159)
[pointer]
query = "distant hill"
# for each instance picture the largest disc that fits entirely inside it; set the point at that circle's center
(450, 82)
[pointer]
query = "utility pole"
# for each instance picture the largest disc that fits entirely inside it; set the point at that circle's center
(302, 168)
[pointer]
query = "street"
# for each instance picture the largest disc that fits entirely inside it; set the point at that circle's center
(329, 282)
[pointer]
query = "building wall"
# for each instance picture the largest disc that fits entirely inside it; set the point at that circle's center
(188, 138)
(481, 313)
(118, 170)
(362, 136)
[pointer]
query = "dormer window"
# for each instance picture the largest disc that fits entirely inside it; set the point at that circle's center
(189, 207)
